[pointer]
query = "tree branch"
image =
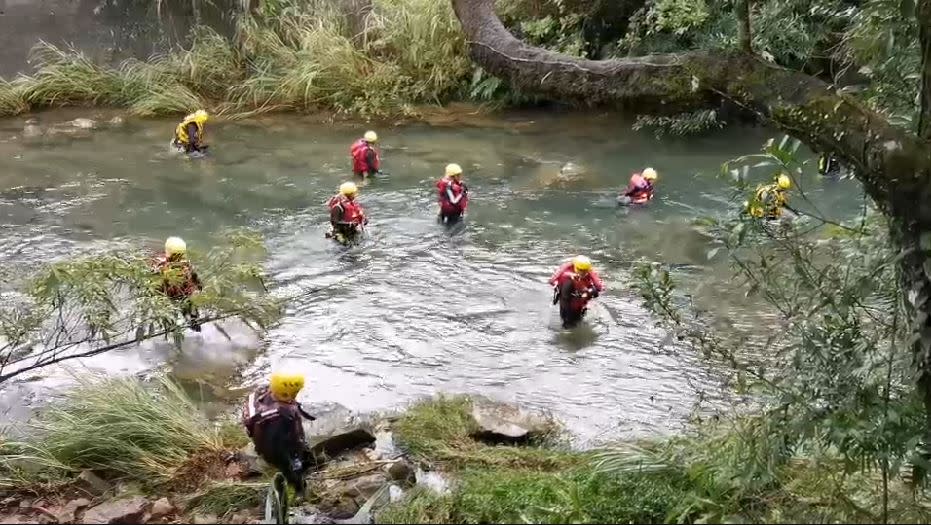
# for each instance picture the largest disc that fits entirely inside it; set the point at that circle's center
(923, 17)
(744, 37)
(893, 164)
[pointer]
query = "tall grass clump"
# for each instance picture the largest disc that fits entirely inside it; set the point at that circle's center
(222, 499)
(293, 56)
(12, 101)
(509, 484)
(123, 428)
(440, 430)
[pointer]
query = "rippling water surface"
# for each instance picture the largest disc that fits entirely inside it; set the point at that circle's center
(416, 309)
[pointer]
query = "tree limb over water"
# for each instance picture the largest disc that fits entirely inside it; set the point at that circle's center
(798, 103)
(892, 163)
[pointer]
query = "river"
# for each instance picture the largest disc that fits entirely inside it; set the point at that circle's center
(423, 310)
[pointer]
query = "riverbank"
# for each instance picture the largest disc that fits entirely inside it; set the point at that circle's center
(303, 58)
(153, 457)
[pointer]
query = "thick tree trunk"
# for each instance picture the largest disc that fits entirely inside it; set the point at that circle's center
(914, 240)
(923, 15)
(744, 37)
(893, 164)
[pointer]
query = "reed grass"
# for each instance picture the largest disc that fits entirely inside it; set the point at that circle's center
(410, 52)
(122, 428)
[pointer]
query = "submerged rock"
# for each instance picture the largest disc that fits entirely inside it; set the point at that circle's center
(127, 510)
(403, 472)
(506, 423)
(32, 129)
(84, 123)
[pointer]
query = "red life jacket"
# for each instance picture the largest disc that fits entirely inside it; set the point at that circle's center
(581, 286)
(352, 212)
(178, 278)
(639, 190)
(446, 206)
(358, 150)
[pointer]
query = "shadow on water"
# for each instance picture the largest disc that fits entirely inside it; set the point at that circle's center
(416, 307)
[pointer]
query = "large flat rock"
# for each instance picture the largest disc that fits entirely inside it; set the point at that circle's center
(500, 422)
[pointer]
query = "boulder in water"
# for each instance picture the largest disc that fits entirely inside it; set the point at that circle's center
(116, 121)
(402, 472)
(571, 171)
(506, 423)
(32, 129)
(84, 123)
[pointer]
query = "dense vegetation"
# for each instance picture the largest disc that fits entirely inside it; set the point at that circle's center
(834, 427)
(310, 55)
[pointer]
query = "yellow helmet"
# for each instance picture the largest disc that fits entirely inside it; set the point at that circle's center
(582, 263)
(453, 169)
(285, 386)
(348, 189)
(370, 136)
(175, 246)
(200, 116)
(649, 174)
(784, 182)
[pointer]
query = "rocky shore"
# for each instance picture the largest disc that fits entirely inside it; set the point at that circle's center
(364, 469)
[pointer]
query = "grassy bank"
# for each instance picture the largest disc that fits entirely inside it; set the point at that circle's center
(738, 471)
(153, 437)
(149, 434)
(301, 58)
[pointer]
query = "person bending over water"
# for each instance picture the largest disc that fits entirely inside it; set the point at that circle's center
(640, 188)
(771, 200)
(190, 133)
(575, 284)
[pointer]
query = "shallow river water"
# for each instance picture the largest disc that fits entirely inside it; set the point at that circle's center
(423, 310)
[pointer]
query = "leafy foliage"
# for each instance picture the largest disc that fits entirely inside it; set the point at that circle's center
(881, 43)
(692, 123)
(831, 378)
(88, 306)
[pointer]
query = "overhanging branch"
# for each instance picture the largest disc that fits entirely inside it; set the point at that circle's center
(893, 164)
